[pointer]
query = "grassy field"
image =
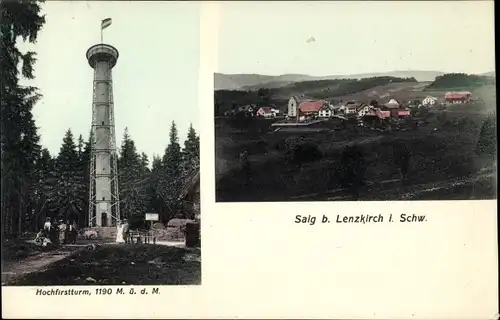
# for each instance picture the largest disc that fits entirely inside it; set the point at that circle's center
(122, 265)
(442, 149)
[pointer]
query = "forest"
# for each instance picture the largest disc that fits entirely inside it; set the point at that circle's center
(459, 80)
(37, 184)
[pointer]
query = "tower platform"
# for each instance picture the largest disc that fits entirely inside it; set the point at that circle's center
(102, 52)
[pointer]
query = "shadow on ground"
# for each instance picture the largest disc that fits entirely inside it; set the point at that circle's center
(128, 264)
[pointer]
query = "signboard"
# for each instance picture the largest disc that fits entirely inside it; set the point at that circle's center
(152, 217)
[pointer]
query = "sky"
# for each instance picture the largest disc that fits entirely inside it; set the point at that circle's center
(155, 80)
(336, 38)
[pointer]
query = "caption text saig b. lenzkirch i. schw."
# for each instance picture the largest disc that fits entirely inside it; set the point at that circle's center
(360, 218)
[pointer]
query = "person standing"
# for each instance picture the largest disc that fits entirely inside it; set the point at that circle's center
(119, 232)
(73, 232)
(47, 226)
(54, 234)
(126, 231)
(67, 232)
(62, 232)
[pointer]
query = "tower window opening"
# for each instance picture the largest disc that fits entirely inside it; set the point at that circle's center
(103, 123)
(103, 198)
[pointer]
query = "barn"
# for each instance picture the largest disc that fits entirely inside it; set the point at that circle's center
(457, 97)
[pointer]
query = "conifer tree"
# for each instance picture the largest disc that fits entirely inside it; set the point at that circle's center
(486, 144)
(70, 183)
(18, 137)
(170, 178)
(133, 182)
(45, 188)
(191, 151)
(157, 204)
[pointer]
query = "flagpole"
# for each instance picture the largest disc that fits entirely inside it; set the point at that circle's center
(101, 35)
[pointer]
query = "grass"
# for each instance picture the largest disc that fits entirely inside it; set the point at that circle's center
(122, 265)
(14, 250)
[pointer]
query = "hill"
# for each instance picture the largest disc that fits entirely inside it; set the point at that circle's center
(257, 81)
(488, 74)
(460, 80)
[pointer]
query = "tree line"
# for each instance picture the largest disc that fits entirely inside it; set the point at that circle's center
(63, 186)
(460, 80)
(36, 184)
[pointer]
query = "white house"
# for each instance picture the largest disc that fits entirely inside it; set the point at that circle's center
(429, 101)
(350, 107)
(363, 110)
(392, 104)
(326, 111)
(266, 112)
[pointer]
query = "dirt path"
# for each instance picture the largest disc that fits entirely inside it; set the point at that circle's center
(38, 262)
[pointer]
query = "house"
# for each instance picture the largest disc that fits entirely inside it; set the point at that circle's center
(429, 101)
(351, 107)
(326, 111)
(392, 104)
(266, 112)
(363, 109)
(190, 194)
(336, 108)
(311, 107)
(457, 97)
(295, 103)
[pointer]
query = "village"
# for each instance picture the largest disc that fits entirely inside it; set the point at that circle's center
(305, 111)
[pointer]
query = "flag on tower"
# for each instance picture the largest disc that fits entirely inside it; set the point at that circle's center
(105, 23)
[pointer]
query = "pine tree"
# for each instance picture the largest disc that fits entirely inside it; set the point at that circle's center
(170, 179)
(156, 201)
(486, 144)
(134, 197)
(18, 137)
(191, 162)
(85, 162)
(45, 188)
(70, 182)
(144, 162)
(80, 148)
(191, 151)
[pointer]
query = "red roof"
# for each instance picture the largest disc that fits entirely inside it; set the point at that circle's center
(457, 95)
(311, 106)
(266, 109)
(379, 113)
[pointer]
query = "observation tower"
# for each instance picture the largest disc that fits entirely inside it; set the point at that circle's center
(104, 200)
